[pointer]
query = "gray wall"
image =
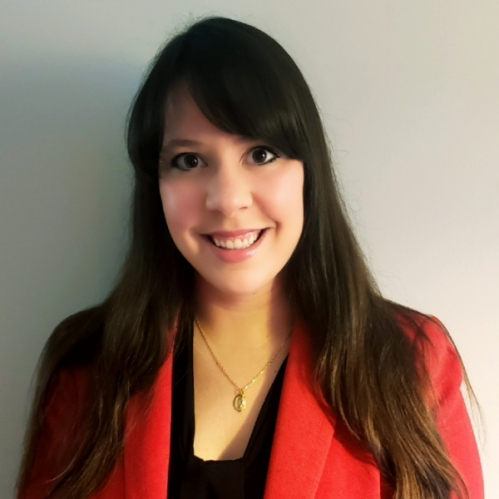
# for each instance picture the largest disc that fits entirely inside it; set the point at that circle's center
(408, 91)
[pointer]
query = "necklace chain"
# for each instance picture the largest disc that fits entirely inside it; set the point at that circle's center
(239, 402)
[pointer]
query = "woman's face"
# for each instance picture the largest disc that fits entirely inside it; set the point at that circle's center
(233, 205)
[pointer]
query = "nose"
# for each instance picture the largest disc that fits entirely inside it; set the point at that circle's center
(228, 190)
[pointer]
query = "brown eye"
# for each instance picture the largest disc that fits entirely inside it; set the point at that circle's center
(186, 161)
(263, 155)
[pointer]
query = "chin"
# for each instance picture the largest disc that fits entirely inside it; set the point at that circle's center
(240, 286)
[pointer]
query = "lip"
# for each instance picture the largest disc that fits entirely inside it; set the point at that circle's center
(234, 255)
(233, 233)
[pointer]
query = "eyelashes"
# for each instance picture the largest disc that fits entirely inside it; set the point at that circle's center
(266, 151)
(259, 156)
(185, 161)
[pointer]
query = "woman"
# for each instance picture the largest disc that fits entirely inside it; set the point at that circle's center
(245, 351)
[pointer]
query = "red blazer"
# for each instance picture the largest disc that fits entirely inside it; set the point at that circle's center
(312, 455)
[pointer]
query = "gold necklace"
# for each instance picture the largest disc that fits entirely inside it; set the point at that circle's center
(239, 403)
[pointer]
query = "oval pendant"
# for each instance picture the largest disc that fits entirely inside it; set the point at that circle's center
(239, 402)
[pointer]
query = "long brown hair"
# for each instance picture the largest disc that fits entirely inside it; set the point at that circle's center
(365, 365)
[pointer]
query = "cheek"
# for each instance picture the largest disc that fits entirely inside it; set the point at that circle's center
(285, 195)
(180, 206)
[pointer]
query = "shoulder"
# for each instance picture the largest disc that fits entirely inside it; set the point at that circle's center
(430, 339)
(68, 390)
(435, 354)
(65, 408)
(438, 363)
(442, 376)
(58, 422)
(69, 359)
(419, 326)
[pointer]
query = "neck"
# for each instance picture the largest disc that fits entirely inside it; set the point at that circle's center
(252, 321)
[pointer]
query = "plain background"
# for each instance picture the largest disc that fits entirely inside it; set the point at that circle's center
(409, 92)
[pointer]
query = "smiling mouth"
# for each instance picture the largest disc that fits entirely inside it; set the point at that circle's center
(236, 243)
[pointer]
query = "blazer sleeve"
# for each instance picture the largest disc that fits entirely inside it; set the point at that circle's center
(57, 440)
(446, 373)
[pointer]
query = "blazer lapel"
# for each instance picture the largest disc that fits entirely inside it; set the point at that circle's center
(302, 438)
(303, 433)
(147, 449)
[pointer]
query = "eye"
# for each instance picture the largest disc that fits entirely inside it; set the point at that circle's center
(263, 155)
(186, 161)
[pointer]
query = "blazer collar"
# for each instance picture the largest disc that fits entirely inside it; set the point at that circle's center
(303, 433)
(147, 439)
(301, 444)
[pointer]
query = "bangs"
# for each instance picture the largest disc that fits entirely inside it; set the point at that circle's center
(241, 79)
(242, 86)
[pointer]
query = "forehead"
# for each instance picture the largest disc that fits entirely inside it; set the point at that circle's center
(186, 125)
(183, 115)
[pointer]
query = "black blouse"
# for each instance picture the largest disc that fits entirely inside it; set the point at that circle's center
(191, 477)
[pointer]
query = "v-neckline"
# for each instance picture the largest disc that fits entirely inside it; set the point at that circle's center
(189, 406)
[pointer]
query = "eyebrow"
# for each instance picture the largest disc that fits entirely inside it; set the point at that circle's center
(171, 144)
(179, 143)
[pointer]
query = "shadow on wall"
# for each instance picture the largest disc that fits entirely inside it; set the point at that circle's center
(64, 188)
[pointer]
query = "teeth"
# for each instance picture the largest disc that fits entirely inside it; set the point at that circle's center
(236, 243)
